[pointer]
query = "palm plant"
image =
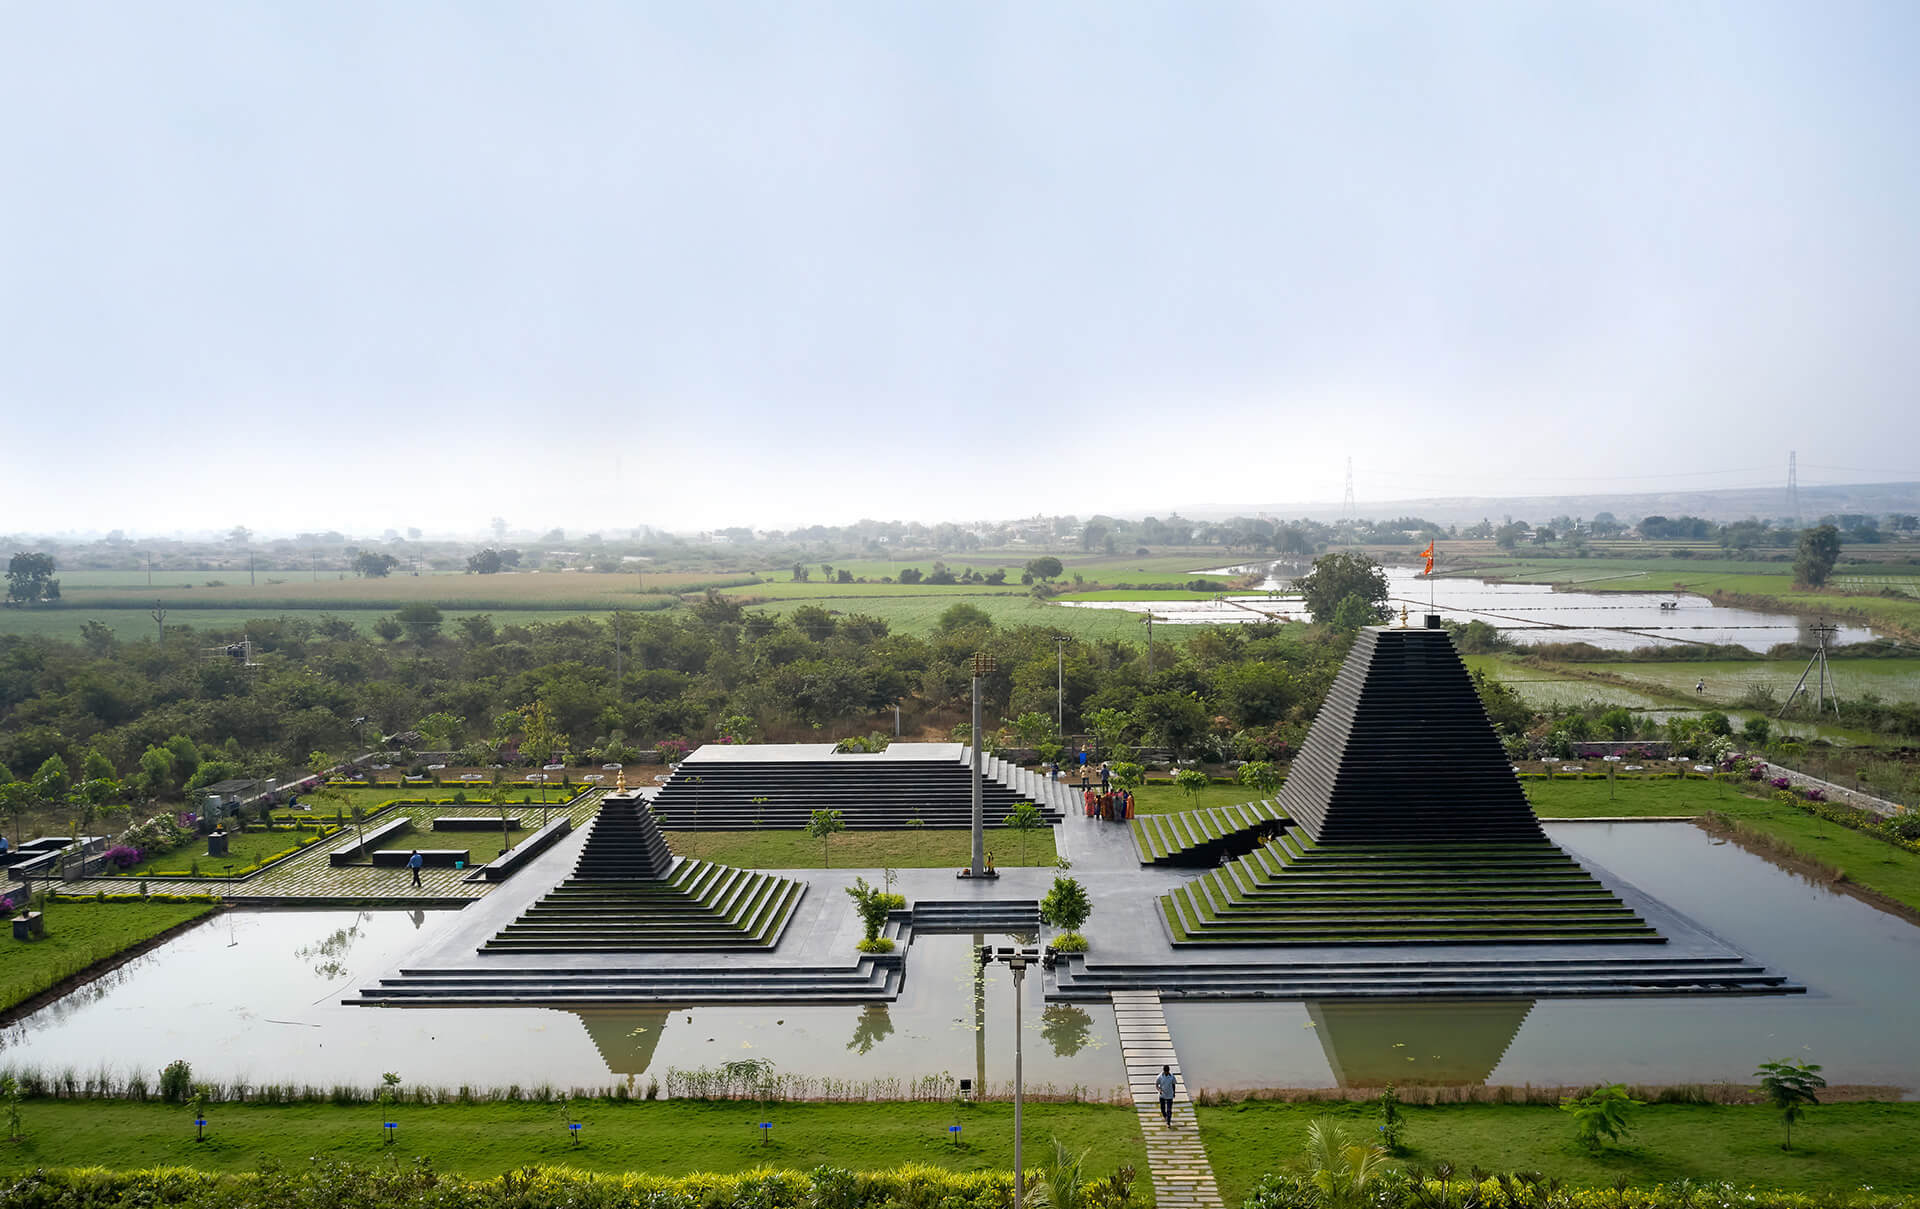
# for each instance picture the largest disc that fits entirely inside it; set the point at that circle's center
(1344, 1169)
(1061, 1184)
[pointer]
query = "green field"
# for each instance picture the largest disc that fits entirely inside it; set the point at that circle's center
(1163, 797)
(78, 935)
(1728, 681)
(665, 1137)
(1836, 1146)
(245, 849)
(919, 615)
(912, 848)
(134, 624)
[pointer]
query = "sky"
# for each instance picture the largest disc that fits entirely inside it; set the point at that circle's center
(367, 265)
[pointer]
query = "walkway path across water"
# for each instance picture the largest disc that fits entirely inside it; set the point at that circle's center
(1182, 1176)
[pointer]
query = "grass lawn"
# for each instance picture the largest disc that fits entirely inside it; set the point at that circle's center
(1163, 797)
(79, 934)
(245, 849)
(665, 1137)
(910, 848)
(1568, 798)
(1837, 1146)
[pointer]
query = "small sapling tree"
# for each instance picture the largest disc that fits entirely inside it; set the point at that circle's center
(1024, 818)
(1790, 1087)
(1259, 776)
(1191, 781)
(1600, 1115)
(1066, 906)
(822, 825)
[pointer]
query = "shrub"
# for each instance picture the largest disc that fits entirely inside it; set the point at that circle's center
(122, 856)
(176, 1081)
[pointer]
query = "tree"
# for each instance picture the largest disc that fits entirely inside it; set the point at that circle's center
(1066, 906)
(799, 573)
(1191, 781)
(1790, 1087)
(1044, 568)
(374, 565)
(1600, 1115)
(1129, 776)
(388, 628)
(822, 825)
(1259, 776)
(962, 616)
(1353, 613)
(1024, 818)
(420, 620)
(1335, 577)
(1032, 728)
(1819, 550)
(1110, 728)
(30, 579)
(486, 562)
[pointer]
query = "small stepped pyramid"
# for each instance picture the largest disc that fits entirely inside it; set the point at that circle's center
(1202, 837)
(628, 894)
(1411, 828)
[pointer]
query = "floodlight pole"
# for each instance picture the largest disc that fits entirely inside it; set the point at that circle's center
(1017, 959)
(982, 668)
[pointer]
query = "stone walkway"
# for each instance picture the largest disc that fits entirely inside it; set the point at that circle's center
(1182, 1177)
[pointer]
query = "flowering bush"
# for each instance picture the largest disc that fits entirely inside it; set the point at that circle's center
(1781, 783)
(672, 751)
(1814, 795)
(122, 856)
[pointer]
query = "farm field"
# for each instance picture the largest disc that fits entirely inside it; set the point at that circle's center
(131, 625)
(507, 590)
(918, 615)
(1728, 681)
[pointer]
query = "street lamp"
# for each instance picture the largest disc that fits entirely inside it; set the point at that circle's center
(1017, 959)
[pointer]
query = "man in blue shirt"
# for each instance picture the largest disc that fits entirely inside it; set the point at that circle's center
(1165, 1084)
(414, 862)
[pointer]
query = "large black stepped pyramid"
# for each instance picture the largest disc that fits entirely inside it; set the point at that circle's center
(728, 787)
(628, 893)
(1402, 752)
(1409, 827)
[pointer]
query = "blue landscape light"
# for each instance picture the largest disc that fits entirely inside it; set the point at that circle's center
(391, 1126)
(954, 1130)
(766, 1128)
(573, 1127)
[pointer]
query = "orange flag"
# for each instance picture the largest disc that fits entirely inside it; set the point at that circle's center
(1428, 555)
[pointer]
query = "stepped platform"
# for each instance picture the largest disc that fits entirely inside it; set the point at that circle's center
(1204, 837)
(1490, 977)
(1294, 892)
(778, 786)
(628, 893)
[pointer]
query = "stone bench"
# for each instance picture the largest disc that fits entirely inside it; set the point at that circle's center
(509, 862)
(432, 858)
(29, 924)
(474, 822)
(355, 848)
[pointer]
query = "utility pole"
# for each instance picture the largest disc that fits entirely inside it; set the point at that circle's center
(160, 620)
(1060, 642)
(1149, 642)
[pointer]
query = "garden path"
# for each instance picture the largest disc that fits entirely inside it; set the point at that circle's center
(1182, 1176)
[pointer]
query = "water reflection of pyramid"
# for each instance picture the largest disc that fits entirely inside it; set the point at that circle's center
(625, 1037)
(1409, 828)
(1370, 1043)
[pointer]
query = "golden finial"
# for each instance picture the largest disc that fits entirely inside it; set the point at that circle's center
(1403, 616)
(620, 781)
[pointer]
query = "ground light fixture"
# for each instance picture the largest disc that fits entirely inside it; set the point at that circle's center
(391, 1126)
(766, 1131)
(573, 1128)
(200, 1128)
(953, 1131)
(1016, 959)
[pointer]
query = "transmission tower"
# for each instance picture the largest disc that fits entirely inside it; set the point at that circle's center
(1347, 506)
(1793, 489)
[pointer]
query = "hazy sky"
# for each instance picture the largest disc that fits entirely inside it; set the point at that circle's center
(311, 265)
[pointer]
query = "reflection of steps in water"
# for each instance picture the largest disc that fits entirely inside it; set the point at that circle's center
(625, 1037)
(1425, 1042)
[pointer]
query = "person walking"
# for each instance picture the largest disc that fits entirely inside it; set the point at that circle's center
(1165, 1084)
(1106, 777)
(414, 863)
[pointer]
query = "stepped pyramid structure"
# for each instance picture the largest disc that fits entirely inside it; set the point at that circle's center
(1409, 826)
(630, 893)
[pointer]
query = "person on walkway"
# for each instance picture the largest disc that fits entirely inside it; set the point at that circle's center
(1165, 1084)
(414, 863)
(1106, 777)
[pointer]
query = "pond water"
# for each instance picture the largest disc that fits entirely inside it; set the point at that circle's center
(1525, 612)
(255, 996)
(1860, 965)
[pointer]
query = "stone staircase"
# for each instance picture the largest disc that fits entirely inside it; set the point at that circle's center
(1295, 892)
(1204, 837)
(873, 792)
